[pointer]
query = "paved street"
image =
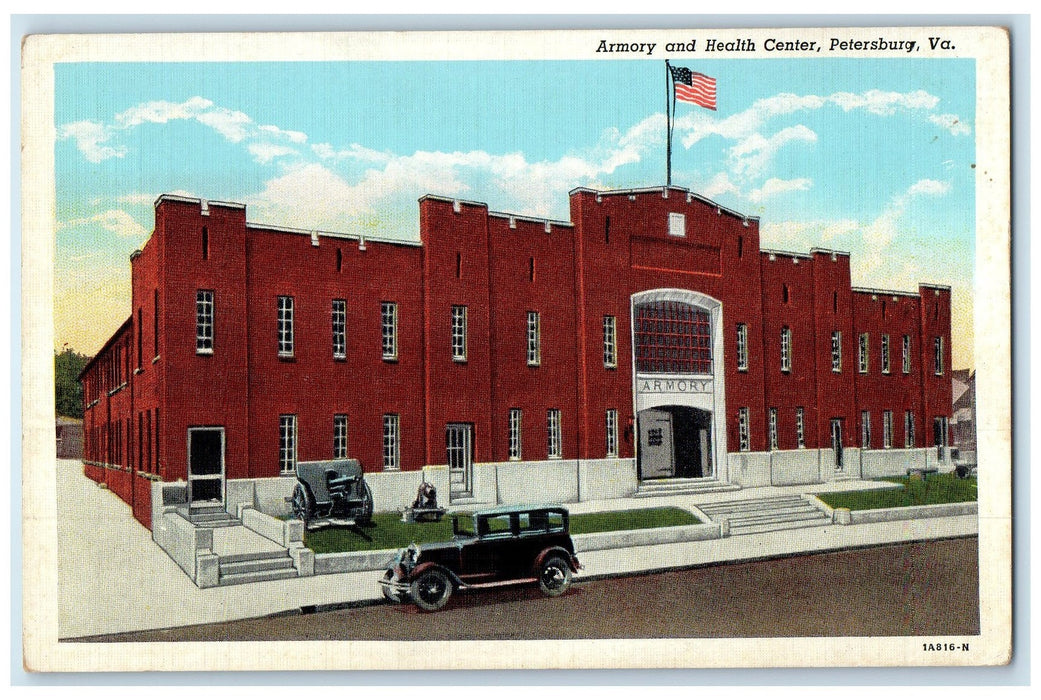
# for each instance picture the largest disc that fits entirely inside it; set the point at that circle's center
(921, 588)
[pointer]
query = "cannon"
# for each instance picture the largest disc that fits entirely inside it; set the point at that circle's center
(331, 489)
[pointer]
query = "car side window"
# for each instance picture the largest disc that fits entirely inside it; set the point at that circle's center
(555, 521)
(533, 522)
(494, 526)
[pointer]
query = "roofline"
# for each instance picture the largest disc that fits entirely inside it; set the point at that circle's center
(929, 285)
(829, 251)
(884, 292)
(334, 234)
(647, 190)
(531, 219)
(786, 253)
(197, 200)
(106, 346)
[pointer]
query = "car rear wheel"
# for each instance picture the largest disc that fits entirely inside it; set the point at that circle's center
(389, 593)
(554, 576)
(431, 590)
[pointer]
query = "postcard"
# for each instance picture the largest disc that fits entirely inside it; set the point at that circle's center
(678, 348)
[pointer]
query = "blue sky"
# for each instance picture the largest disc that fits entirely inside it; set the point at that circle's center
(872, 156)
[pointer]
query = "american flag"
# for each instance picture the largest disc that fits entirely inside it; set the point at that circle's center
(696, 88)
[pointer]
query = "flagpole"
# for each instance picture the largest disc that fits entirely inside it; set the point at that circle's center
(668, 130)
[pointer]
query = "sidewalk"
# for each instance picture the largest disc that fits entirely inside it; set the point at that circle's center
(113, 578)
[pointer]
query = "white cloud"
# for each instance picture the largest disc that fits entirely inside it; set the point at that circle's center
(775, 186)
(90, 137)
(161, 112)
(755, 153)
(229, 123)
(952, 123)
(803, 235)
(294, 136)
(267, 152)
(115, 221)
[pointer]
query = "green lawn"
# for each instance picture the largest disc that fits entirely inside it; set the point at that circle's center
(938, 488)
(388, 532)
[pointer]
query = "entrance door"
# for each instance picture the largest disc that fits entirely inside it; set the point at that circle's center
(205, 466)
(459, 440)
(836, 441)
(657, 458)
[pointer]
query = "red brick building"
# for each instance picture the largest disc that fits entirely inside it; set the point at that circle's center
(511, 358)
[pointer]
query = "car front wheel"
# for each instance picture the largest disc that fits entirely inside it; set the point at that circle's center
(431, 590)
(554, 576)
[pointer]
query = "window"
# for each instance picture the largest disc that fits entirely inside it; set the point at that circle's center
(155, 323)
(553, 450)
(885, 354)
(287, 444)
(205, 244)
(389, 329)
(907, 354)
(887, 429)
(610, 342)
(742, 347)
(611, 423)
(773, 428)
(534, 339)
(938, 356)
(139, 333)
(459, 333)
(742, 430)
(672, 337)
(863, 354)
(800, 426)
(836, 441)
(204, 322)
(909, 429)
(516, 416)
(339, 319)
(285, 326)
(786, 349)
(865, 429)
(836, 351)
(677, 225)
(340, 436)
(391, 441)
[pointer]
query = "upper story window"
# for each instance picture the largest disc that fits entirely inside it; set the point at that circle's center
(534, 339)
(672, 337)
(155, 323)
(459, 333)
(610, 342)
(938, 356)
(885, 354)
(677, 225)
(742, 347)
(907, 354)
(836, 351)
(786, 349)
(204, 322)
(389, 329)
(285, 326)
(339, 321)
(863, 353)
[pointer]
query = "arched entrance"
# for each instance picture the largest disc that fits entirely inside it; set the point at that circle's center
(678, 385)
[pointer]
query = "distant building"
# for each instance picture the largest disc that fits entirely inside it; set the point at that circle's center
(963, 420)
(648, 341)
(69, 437)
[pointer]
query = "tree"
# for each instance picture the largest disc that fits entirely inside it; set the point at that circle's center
(68, 393)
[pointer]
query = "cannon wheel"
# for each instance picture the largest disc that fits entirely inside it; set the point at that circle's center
(303, 503)
(364, 513)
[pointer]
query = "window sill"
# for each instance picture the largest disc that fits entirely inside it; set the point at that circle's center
(204, 351)
(138, 370)
(614, 366)
(286, 358)
(339, 358)
(387, 358)
(155, 359)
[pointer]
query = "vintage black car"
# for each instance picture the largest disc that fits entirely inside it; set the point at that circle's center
(331, 489)
(509, 544)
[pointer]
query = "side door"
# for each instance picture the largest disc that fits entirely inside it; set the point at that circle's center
(205, 467)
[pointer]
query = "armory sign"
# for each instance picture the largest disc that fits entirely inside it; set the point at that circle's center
(674, 386)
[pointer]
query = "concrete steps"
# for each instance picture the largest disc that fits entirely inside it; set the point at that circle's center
(255, 566)
(681, 487)
(751, 516)
(210, 516)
